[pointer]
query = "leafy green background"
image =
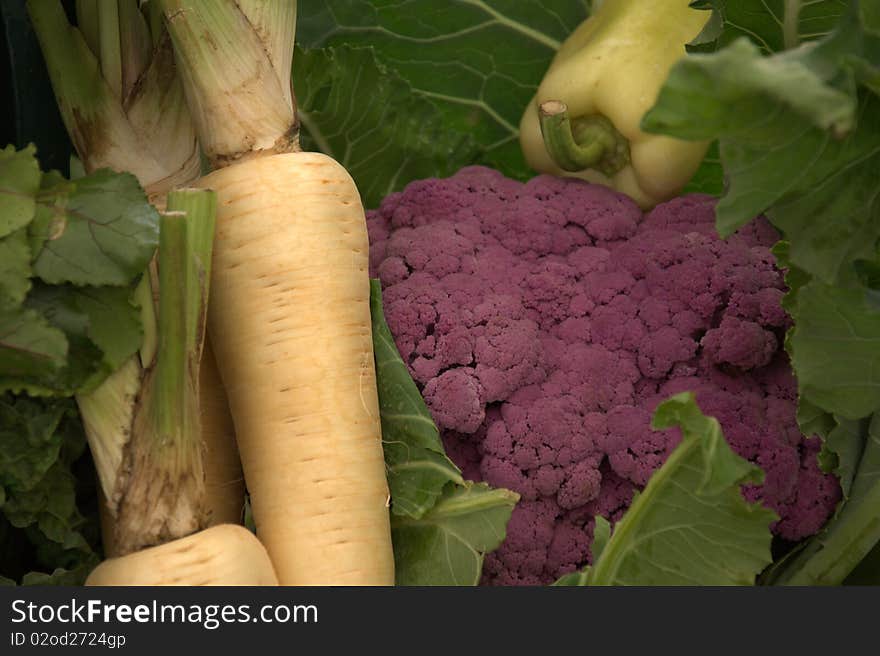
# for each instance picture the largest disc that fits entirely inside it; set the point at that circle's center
(799, 139)
(395, 137)
(463, 70)
(48, 520)
(56, 340)
(71, 253)
(771, 24)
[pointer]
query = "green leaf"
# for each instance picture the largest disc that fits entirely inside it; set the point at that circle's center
(601, 535)
(51, 507)
(709, 178)
(813, 420)
(114, 323)
(416, 463)
(690, 525)
(831, 210)
(15, 269)
(396, 137)
(578, 578)
(29, 439)
(835, 349)
(62, 576)
(796, 142)
(69, 339)
(829, 557)
(41, 525)
(447, 545)
(480, 61)
(774, 25)
(104, 231)
(867, 572)
(416, 476)
(30, 349)
(846, 442)
(19, 182)
(738, 92)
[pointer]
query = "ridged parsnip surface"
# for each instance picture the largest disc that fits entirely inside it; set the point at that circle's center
(289, 320)
(221, 555)
(224, 481)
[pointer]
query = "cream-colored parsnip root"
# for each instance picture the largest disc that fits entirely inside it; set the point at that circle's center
(227, 554)
(224, 480)
(289, 321)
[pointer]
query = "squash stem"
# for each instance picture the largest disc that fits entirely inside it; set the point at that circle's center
(587, 142)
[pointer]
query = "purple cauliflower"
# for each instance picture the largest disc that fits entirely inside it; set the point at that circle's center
(544, 321)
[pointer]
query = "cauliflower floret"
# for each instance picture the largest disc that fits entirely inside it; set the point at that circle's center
(545, 321)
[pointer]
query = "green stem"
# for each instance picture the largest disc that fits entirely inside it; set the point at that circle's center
(200, 206)
(162, 488)
(73, 68)
(850, 538)
(135, 45)
(234, 60)
(791, 24)
(153, 11)
(171, 385)
(143, 297)
(87, 21)
(588, 142)
(109, 45)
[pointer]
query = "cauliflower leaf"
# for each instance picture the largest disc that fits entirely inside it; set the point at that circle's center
(447, 545)
(416, 464)
(799, 132)
(397, 136)
(691, 524)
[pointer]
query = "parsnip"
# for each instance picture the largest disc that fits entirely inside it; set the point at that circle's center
(290, 324)
(227, 554)
(224, 480)
(289, 317)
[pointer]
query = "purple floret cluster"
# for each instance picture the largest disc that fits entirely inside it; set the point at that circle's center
(544, 321)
